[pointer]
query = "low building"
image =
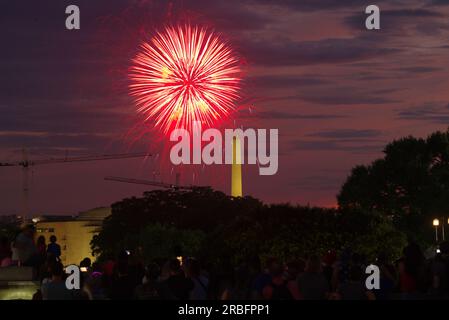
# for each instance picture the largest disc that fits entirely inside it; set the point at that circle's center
(11, 219)
(73, 233)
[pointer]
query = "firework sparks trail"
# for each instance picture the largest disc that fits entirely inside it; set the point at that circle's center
(185, 74)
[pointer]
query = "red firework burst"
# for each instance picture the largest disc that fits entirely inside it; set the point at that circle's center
(185, 74)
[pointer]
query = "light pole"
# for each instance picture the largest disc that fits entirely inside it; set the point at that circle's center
(436, 223)
(442, 227)
(447, 220)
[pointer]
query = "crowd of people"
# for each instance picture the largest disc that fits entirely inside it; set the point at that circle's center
(330, 277)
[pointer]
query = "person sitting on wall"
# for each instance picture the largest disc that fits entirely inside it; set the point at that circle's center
(53, 248)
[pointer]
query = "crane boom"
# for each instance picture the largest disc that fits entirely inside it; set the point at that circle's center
(26, 163)
(148, 183)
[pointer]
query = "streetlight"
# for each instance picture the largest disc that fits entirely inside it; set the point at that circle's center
(436, 223)
(442, 228)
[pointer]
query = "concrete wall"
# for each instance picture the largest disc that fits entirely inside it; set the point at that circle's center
(16, 274)
(73, 236)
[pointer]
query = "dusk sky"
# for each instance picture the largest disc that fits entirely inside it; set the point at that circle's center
(336, 91)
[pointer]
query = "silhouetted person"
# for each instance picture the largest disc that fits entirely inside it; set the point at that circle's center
(55, 288)
(264, 278)
(238, 285)
(41, 246)
(312, 283)
(200, 282)
(387, 278)
(150, 288)
(26, 250)
(5, 252)
(46, 269)
(294, 269)
(277, 288)
(122, 285)
(85, 264)
(412, 279)
(176, 286)
(136, 268)
(94, 284)
(53, 248)
(41, 249)
(354, 288)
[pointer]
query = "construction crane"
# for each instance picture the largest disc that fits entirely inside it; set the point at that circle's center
(26, 164)
(151, 183)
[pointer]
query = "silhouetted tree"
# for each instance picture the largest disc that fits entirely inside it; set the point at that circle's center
(410, 184)
(222, 230)
(199, 209)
